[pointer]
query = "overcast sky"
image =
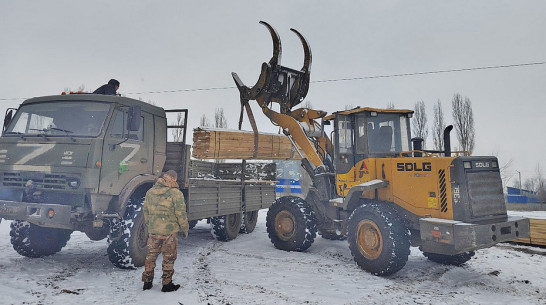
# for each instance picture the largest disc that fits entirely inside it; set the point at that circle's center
(47, 46)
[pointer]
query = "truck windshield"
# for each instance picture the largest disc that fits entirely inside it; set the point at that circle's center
(66, 118)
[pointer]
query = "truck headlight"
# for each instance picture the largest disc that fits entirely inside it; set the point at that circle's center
(73, 182)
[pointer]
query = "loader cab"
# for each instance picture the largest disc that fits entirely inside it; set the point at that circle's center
(363, 133)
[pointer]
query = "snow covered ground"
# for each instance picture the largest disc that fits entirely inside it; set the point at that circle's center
(249, 270)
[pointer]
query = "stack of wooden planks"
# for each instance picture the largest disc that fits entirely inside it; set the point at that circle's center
(537, 229)
(211, 143)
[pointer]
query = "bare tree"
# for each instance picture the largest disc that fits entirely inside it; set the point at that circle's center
(178, 133)
(220, 119)
(438, 126)
(419, 122)
(540, 183)
(203, 121)
(390, 105)
(463, 118)
(349, 107)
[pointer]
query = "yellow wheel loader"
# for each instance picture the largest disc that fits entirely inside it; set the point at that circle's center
(373, 184)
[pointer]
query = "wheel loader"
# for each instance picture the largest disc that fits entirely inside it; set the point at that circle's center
(374, 185)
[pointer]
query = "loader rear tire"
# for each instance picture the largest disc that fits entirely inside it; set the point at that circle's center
(226, 227)
(291, 224)
(379, 242)
(454, 260)
(33, 241)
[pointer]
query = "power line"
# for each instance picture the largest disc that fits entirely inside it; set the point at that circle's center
(336, 79)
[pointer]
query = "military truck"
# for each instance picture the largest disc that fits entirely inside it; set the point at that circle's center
(83, 162)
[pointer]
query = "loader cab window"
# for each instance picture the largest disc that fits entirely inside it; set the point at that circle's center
(387, 133)
(119, 130)
(345, 135)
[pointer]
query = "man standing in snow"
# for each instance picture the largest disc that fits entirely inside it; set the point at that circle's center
(109, 89)
(165, 215)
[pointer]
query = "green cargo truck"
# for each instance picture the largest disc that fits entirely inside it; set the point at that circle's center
(83, 162)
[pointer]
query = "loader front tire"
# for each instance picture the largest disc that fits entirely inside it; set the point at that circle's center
(291, 224)
(379, 243)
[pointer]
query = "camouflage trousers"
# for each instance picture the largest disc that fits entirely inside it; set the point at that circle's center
(166, 245)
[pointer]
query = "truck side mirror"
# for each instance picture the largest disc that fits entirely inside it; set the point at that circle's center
(133, 120)
(7, 119)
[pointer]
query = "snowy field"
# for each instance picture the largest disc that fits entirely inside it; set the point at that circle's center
(249, 270)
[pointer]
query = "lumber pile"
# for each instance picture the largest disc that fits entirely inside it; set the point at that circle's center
(211, 143)
(537, 229)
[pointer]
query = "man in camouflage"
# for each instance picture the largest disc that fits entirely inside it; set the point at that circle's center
(165, 215)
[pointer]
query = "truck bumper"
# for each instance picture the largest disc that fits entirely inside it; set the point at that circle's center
(451, 237)
(42, 214)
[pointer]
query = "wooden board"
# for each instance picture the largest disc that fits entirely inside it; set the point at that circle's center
(234, 144)
(537, 229)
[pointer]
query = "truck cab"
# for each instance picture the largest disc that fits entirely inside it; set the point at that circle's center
(66, 160)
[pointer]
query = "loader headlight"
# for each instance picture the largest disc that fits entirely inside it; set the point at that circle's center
(467, 164)
(494, 164)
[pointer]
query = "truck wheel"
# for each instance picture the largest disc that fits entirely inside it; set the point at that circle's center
(226, 227)
(128, 238)
(193, 223)
(291, 224)
(249, 222)
(379, 243)
(33, 241)
(455, 260)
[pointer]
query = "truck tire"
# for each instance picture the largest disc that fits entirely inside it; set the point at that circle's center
(33, 241)
(250, 220)
(192, 223)
(379, 243)
(128, 238)
(291, 224)
(455, 260)
(226, 227)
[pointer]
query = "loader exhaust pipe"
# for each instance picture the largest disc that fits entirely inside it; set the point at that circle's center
(447, 141)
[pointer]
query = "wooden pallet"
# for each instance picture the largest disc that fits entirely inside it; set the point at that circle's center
(234, 144)
(537, 234)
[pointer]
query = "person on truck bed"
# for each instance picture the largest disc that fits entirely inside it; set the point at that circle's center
(165, 215)
(108, 89)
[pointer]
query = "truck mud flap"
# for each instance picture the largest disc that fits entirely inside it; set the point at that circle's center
(451, 237)
(45, 215)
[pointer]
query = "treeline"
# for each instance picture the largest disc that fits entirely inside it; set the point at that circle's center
(463, 123)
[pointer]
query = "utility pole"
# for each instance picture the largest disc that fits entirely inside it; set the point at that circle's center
(519, 181)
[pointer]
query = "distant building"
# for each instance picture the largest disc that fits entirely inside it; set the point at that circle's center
(515, 195)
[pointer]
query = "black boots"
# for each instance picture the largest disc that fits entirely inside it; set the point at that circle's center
(170, 287)
(147, 286)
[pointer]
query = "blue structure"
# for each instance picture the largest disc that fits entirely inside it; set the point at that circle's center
(516, 195)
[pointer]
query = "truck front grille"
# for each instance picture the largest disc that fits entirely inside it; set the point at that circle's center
(44, 181)
(485, 193)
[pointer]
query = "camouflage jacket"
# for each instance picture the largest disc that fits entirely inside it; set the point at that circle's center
(164, 209)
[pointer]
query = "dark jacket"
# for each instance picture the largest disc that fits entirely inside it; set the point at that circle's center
(107, 89)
